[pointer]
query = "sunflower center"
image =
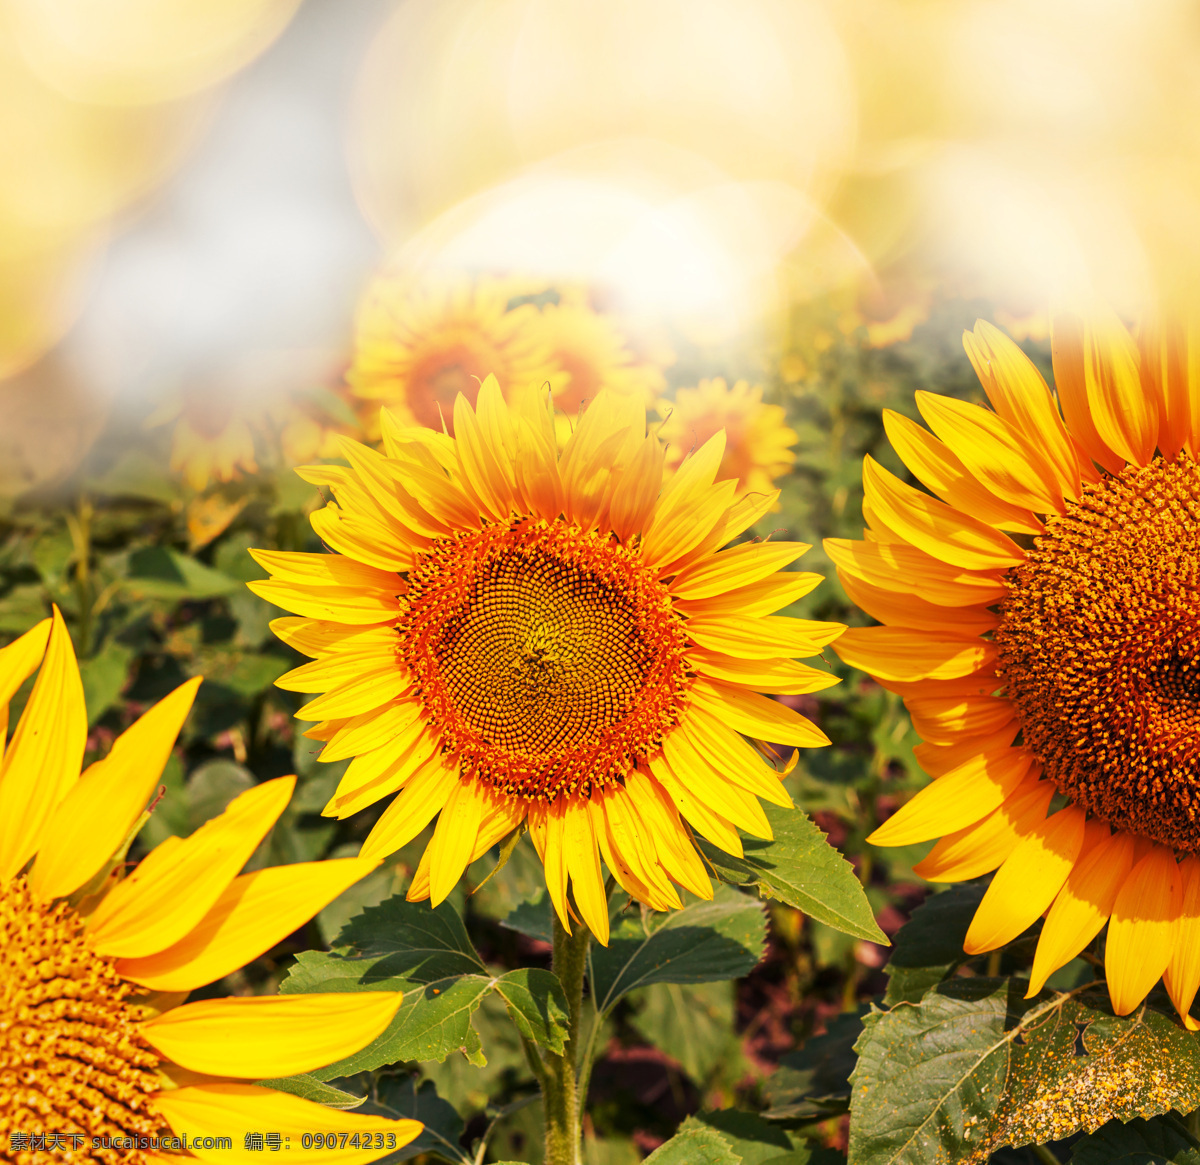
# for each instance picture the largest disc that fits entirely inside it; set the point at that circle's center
(438, 378)
(1099, 646)
(72, 1063)
(550, 658)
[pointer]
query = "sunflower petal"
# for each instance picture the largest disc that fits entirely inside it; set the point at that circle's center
(255, 912)
(1182, 976)
(1141, 931)
(454, 837)
(1125, 417)
(231, 1111)
(268, 1036)
(896, 653)
(908, 570)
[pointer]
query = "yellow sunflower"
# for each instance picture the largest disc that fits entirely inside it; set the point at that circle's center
(592, 354)
(1061, 659)
(98, 1050)
(758, 441)
(421, 342)
(516, 636)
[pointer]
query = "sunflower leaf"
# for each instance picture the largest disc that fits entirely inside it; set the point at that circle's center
(1139, 1142)
(930, 945)
(814, 1082)
(308, 1087)
(721, 939)
(974, 1067)
(695, 1146)
(803, 870)
(537, 1004)
(401, 1097)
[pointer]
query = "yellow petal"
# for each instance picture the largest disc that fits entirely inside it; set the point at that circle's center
(375, 685)
(895, 653)
(19, 660)
(735, 568)
(379, 773)
(629, 849)
(43, 758)
(233, 1110)
(173, 887)
(762, 637)
(1182, 976)
(546, 829)
(980, 848)
(371, 730)
(1084, 903)
(935, 527)
(458, 826)
(764, 597)
(933, 463)
(351, 533)
(785, 676)
(710, 824)
(412, 810)
(328, 570)
(939, 759)
(944, 721)
(266, 1036)
(583, 866)
(906, 569)
(94, 818)
(957, 800)
(339, 667)
(993, 451)
(1067, 350)
(356, 605)
(671, 838)
(1141, 931)
(1124, 415)
(732, 757)
(1020, 395)
(315, 637)
(897, 609)
(754, 715)
(713, 788)
(254, 913)
(1028, 881)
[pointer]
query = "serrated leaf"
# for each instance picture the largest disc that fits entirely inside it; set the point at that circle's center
(411, 940)
(974, 1067)
(802, 869)
(721, 939)
(753, 1140)
(401, 1097)
(696, 1146)
(814, 1082)
(1140, 1142)
(929, 946)
(533, 919)
(433, 1021)
(537, 1004)
(310, 1088)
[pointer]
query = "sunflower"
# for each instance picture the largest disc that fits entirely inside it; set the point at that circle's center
(758, 442)
(206, 449)
(592, 354)
(97, 1048)
(518, 637)
(421, 342)
(1040, 620)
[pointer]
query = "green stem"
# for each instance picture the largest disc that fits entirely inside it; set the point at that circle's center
(559, 1092)
(1044, 1155)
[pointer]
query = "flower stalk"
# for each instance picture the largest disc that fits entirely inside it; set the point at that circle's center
(560, 1091)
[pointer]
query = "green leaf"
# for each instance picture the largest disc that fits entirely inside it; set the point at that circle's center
(400, 1097)
(696, 1146)
(411, 940)
(721, 939)
(52, 554)
(1140, 1142)
(974, 1067)
(694, 1025)
(310, 1088)
(103, 677)
(538, 1006)
(753, 1140)
(138, 474)
(814, 1082)
(158, 572)
(930, 945)
(533, 919)
(22, 607)
(211, 787)
(801, 868)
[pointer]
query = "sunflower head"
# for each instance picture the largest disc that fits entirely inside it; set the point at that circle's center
(422, 343)
(513, 637)
(1039, 616)
(95, 1038)
(758, 440)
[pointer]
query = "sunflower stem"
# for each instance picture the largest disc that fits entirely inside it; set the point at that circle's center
(559, 1091)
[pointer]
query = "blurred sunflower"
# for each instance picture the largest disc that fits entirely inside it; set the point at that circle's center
(95, 1039)
(420, 343)
(1065, 662)
(592, 354)
(758, 441)
(513, 636)
(210, 442)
